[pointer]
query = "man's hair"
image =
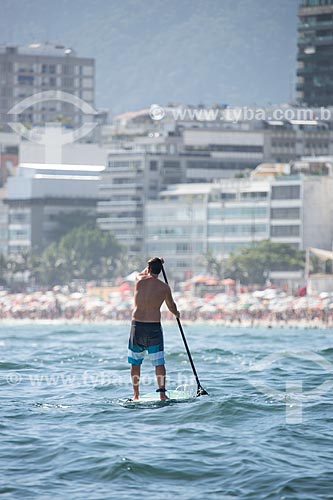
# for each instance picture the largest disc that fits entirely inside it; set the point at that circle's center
(155, 265)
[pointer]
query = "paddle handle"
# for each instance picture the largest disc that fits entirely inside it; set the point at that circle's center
(200, 389)
(188, 353)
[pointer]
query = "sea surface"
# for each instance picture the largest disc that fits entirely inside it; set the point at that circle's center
(264, 432)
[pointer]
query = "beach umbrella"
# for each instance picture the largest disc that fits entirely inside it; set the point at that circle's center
(124, 287)
(228, 282)
(204, 279)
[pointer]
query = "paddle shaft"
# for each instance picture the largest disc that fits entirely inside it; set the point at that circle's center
(201, 390)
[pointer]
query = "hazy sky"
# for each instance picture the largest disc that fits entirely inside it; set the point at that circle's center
(158, 51)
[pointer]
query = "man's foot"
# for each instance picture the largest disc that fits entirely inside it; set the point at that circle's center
(162, 391)
(135, 397)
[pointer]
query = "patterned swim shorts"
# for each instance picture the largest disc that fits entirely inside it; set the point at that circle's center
(146, 337)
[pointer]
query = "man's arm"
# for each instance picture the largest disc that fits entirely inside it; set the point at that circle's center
(170, 303)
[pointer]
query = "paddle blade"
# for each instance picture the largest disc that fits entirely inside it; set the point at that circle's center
(201, 392)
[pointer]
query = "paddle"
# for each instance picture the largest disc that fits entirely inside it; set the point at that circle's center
(200, 390)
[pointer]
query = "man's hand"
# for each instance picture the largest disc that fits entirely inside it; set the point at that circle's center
(177, 314)
(161, 259)
(143, 273)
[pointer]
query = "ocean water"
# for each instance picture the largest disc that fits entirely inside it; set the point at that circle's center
(264, 431)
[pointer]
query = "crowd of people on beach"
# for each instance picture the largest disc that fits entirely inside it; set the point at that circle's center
(270, 307)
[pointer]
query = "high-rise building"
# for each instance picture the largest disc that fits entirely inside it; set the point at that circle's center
(315, 53)
(25, 71)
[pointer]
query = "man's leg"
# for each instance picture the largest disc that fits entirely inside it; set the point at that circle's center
(160, 375)
(135, 376)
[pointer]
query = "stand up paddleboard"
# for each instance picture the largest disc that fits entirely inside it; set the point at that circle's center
(153, 399)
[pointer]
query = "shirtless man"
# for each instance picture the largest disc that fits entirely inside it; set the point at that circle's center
(146, 331)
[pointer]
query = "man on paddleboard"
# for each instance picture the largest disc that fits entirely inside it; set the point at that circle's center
(146, 330)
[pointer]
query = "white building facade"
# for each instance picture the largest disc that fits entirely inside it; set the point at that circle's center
(129, 180)
(188, 221)
(39, 193)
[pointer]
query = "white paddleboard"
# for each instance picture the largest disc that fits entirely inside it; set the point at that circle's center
(154, 397)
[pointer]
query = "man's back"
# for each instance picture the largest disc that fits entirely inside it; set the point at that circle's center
(149, 295)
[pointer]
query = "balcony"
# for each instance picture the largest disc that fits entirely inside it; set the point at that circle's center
(315, 10)
(120, 203)
(135, 221)
(315, 41)
(125, 185)
(316, 71)
(315, 26)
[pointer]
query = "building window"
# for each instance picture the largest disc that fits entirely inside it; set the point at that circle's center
(25, 79)
(19, 234)
(254, 195)
(222, 248)
(235, 148)
(68, 69)
(171, 165)
(237, 230)
(6, 67)
(215, 213)
(283, 231)
(182, 247)
(237, 212)
(49, 68)
(153, 165)
(87, 83)
(244, 212)
(87, 70)
(87, 95)
(228, 196)
(135, 165)
(27, 68)
(218, 165)
(67, 82)
(286, 192)
(285, 213)
(19, 218)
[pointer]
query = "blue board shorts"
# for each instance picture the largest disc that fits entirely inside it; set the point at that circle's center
(146, 337)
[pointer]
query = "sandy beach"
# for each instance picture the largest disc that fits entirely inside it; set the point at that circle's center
(269, 308)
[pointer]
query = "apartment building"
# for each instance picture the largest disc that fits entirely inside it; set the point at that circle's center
(147, 155)
(187, 221)
(28, 70)
(315, 53)
(224, 148)
(39, 193)
(129, 180)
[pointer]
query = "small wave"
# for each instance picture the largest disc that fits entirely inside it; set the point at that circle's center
(99, 468)
(7, 365)
(327, 351)
(307, 484)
